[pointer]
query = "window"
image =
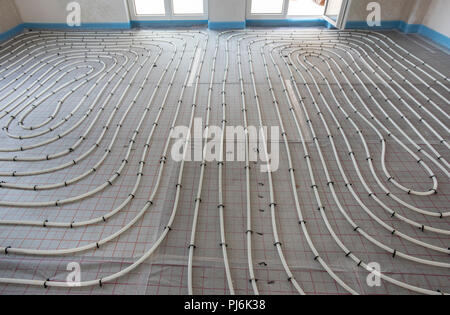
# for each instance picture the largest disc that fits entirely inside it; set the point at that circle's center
(162, 10)
(150, 7)
(279, 9)
(188, 7)
(267, 6)
(305, 7)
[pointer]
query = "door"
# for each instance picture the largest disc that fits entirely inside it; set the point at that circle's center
(336, 12)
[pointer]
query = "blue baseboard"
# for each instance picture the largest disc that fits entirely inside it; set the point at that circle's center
(168, 23)
(437, 37)
(11, 33)
(409, 28)
(226, 25)
(385, 25)
(84, 26)
(287, 22)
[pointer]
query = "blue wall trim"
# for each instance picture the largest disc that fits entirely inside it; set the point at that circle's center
(226, 25)
(409, 28)
(168, 23)
(288, 22)
(434, 36)
(385, 25)
(11, 33)
(82, 27)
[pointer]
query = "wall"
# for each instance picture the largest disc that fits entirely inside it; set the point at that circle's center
(54, 11)
(437, 17)
(9, 17)
(415, 11)
(431, 13)
(227, 11)
(391, 10)
(426, 17)
(226, 14)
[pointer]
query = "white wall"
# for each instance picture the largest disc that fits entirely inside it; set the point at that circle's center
(391, 10)
(431, 13)
(437, 17)
(415, 11)
(54, 11)
(227, 10)
(9, 17)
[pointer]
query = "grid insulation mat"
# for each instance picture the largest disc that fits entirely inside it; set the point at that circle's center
(88, 181)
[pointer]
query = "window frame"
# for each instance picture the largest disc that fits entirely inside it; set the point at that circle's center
(342, 15)
(169, 15)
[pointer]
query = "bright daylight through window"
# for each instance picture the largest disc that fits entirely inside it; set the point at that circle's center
(305, 7)
(153, 7)
(267, 6)
(188, 7)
